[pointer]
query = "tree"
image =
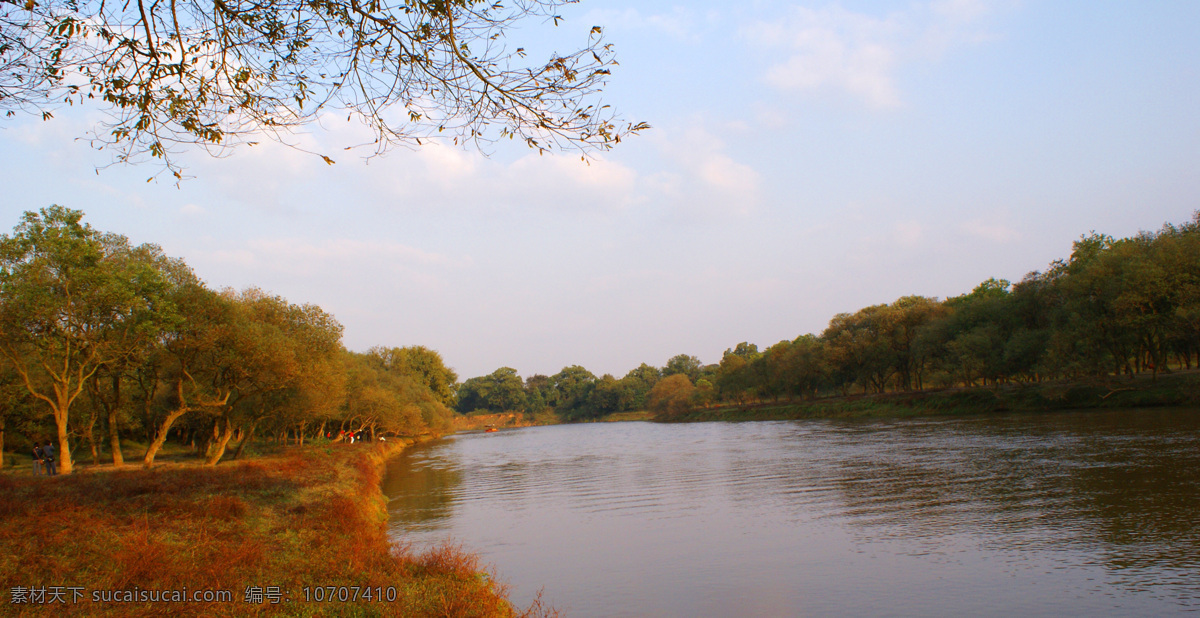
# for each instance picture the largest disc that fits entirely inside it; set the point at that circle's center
(571, 388)
(736, 377)
(274, 348)
(381, 400)
(683, 364)
(68, 307)
(638, 382)
(858, 347)
(222, 73)
(500, 391)
(19, 411)
(188, 363)
(605, 396)
(539, 393)
(672, 395)
(422, 364)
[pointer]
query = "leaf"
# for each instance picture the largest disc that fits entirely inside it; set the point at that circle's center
(328, 161)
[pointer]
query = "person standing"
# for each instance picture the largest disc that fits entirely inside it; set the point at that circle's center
(37, 460)
(48, 455)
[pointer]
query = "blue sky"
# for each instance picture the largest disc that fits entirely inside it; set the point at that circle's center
(806, 159)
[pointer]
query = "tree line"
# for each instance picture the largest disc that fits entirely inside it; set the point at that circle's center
(102, 341)
(1115, 307)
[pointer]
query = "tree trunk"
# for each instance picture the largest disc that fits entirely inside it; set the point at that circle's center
(60, 419)
(245, 440)
(114, 439)
(209, 438)
(1, 441)
(148, 418)
(221, 442)
(90, 436)
(162, 436)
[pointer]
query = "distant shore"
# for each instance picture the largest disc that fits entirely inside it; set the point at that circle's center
(1180, 388)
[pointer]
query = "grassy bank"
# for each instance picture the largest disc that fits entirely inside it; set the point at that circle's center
(305, 523)
(478, 421)
(1177, 389)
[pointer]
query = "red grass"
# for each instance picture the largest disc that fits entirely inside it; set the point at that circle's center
(229, 527)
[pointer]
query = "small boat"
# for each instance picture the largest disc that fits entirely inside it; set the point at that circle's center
(490, 429)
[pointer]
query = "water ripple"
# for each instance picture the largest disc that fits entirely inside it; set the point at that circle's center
(1066, 513)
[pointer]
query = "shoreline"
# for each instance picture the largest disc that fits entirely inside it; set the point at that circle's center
(1178, 389)
(301, 532)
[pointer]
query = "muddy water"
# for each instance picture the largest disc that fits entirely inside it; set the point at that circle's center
(1055, 514)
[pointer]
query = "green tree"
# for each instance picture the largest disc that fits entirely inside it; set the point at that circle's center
(69, 305)
(858, 346)
(195, 368)
(422, 364)
(274, 348)
(683, 364)
(500, 391)
(572, 385)
(638, 383)
(605, 396)
(736, 378)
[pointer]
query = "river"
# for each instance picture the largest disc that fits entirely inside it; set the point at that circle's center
(1033, 514)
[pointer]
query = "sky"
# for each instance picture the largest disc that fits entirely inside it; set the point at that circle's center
(805, 159)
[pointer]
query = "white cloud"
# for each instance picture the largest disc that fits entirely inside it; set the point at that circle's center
(832, 48)
(995, 232)
(446, 166)
(700, 175)
(839, 50)
(567, 180)
(335, 272)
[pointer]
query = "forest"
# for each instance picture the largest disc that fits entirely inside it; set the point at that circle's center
(1115, 307)
(102, 341)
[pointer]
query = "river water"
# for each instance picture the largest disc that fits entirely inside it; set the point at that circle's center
(1055, 514)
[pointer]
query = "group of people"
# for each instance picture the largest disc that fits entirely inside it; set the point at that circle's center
(43, 460)
(347, 436)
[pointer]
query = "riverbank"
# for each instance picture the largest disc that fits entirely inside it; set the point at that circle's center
(299, 533)
(1174, 389)
(476, 421)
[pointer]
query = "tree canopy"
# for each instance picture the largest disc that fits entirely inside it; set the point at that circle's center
(228, 72)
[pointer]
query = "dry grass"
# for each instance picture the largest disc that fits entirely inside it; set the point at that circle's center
(305, 518)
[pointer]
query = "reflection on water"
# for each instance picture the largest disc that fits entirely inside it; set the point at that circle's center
(420, 492)
(1045, 514)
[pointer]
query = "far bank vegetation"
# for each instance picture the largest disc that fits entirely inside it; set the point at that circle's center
(1115, 309)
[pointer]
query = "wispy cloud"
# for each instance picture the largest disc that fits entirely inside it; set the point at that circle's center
(678, 23)
(699, 175)
(988, 230)
(833, 49)
(337, 261)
